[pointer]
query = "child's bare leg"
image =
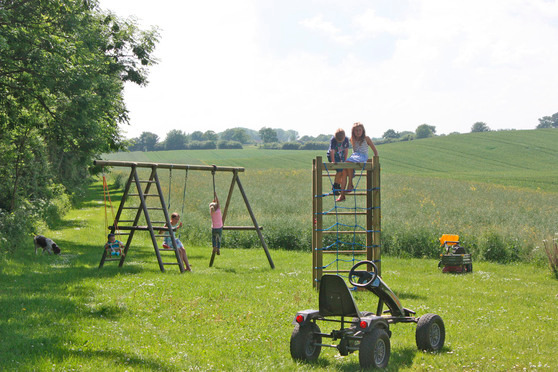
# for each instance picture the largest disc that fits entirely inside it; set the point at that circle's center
(350, 175)
(184, 257)
(343, 184)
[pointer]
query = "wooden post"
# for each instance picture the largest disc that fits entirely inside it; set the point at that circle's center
(258, 230)
(168, 223)
(231, 188)
(369, 213)
(377, 215)
(318, 224)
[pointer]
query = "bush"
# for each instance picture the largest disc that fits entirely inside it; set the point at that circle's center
(315, 146)
(17, 227)
(291, 146)
(202, 145)
(272, 146)
(222, 145)
(551, 250)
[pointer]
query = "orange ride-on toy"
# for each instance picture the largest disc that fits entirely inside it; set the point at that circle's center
(454, 258)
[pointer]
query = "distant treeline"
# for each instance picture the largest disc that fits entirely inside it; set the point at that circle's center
(235, 138)
(280, 139)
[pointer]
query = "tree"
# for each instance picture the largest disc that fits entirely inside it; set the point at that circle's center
(176, 140)
(479, 126)
(147, 141)
(390, 134)
(268, 135)
(323, 138)
(548, 122)
(64, 64)
(196, 136)
(210, 136)
(235, 134)
(306, 138)
(425, 131)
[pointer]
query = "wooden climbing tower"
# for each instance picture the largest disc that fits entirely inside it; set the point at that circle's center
(344, 233)
(151, 188)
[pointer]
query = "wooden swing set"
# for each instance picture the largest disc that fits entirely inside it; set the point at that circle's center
(144, 190)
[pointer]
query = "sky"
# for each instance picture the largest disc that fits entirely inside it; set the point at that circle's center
(317, 65)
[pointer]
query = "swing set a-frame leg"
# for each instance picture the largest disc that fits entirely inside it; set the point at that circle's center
(236, 180)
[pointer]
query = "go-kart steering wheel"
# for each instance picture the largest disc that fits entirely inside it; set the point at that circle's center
(365, 278)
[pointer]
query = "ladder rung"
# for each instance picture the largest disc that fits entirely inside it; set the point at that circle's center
(170, 263)
(241, 227)
(147, 181)
(343, 213)
(143, 228)
(344, 252)
(145, 195)
(130, 207)
(166, 249)
(335, 271)
(154, 208)
(343, 232)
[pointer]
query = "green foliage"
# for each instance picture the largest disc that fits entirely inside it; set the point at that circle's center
(548, 122)
(235, 134)
(551, 250)
(390, 133)
(291, 146)
(425, 131)
(479, 126)
(268, 135)
(315, 146)
(222, 145)
(176, 140)
(202, 145)
(64, 64)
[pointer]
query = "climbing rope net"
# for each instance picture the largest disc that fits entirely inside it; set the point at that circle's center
(347, 235)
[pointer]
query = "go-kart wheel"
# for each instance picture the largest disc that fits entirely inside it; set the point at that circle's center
(431, 333)
(374, 349)
(363, 278)
(304, 340)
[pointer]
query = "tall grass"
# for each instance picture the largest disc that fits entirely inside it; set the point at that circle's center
(496, 223)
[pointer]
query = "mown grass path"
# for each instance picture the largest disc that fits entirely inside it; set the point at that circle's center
(62, 313)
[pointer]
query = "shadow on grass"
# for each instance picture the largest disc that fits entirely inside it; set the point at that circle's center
(400, 359)
(409, 296)
(120, 359)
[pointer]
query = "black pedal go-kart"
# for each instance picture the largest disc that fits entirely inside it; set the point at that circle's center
(362, 331)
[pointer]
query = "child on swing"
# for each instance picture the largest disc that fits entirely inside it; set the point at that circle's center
(113, 246)
(176, 224)
(216, 224)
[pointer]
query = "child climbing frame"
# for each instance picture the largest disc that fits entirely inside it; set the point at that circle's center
(345, 232)
(142, 192)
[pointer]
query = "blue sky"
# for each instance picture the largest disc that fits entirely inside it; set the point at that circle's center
(314, 66)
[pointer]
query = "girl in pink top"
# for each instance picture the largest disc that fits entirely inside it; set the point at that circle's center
(216, 224)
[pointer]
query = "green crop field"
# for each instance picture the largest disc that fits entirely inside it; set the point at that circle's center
(496, 190)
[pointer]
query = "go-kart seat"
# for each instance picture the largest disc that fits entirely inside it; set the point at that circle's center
(335, 298)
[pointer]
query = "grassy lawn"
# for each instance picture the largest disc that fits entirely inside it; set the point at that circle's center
(62, 313)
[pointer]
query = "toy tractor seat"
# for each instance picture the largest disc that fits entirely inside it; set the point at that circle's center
(335, 298)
